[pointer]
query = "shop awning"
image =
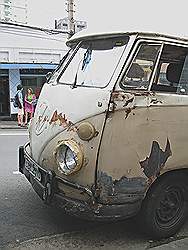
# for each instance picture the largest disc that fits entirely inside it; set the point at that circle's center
(27, 66)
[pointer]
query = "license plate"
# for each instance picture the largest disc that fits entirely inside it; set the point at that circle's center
(33, 170)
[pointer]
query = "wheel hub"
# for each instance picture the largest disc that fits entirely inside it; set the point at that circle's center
(170, 205)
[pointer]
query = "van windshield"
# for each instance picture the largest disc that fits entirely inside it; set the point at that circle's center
(94, 62)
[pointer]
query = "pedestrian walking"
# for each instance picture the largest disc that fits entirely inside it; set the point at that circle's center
(29, 104)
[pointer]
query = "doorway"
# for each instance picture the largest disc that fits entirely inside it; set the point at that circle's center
(4, 96)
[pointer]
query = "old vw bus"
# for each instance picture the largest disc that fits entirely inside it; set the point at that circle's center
(109, 137)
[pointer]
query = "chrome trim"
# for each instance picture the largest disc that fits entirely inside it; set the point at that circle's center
(62, 180)
(75, 185)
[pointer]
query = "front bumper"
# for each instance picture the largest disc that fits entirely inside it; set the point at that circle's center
(45, 183)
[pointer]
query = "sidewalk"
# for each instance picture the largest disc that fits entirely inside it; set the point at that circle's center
(10, 125)
(94, 240)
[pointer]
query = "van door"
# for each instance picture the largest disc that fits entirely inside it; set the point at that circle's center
(145, 133)
(120, 177)
(169, 105)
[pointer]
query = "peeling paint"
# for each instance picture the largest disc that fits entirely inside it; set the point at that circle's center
(128, 101)
(121, 96)
(153, 164)
(47, 118)
(43, 118)
(144, 93)
(120, 191)
(121, 100)
(61, 118)
(128, 111)
(155, 101)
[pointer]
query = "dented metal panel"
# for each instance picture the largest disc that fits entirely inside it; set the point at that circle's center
(153, 164)
(142, 134)
(52, 117)
(124, 190)
(86, 175)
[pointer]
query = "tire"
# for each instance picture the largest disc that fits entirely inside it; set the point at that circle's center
(165, 207)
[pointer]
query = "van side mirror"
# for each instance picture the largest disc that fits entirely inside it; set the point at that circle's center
(48, 75)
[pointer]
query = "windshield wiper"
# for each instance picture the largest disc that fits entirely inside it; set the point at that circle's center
(75, 80)
(87, 59)
(85, 62)
(76, 76)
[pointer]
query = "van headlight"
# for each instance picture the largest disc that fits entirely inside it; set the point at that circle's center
(69, 157)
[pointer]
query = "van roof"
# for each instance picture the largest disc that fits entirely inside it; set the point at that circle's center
(85, 35)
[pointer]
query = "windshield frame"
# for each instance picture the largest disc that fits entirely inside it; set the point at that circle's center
(77, 47)
(74, 50)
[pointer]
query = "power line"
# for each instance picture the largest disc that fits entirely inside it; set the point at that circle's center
(48, 31)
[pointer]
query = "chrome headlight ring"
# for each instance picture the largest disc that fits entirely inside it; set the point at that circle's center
(69, 157)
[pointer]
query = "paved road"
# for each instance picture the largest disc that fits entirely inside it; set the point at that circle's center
(23, 216)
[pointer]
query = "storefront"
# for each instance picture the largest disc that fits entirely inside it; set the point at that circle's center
(29, 75)
(34, 78)
(26, 56)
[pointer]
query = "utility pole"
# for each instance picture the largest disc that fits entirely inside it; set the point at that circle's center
(70, 10)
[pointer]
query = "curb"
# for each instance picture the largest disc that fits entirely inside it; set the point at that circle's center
(177, 244)
(13, 128)
(91, 241)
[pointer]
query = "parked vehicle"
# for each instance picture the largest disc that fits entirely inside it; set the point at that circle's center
(109, 137)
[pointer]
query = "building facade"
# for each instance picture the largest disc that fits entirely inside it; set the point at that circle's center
(13, 11)
(26, 55)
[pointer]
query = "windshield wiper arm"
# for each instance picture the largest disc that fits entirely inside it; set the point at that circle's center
(75, 80)
(76, 76)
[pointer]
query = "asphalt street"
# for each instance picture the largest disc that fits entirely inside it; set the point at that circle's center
(23, 215)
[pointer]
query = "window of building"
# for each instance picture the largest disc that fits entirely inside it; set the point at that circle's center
(172, 72)
(33, 78)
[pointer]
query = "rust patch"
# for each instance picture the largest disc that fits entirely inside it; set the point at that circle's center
(61, 118)
(122, 100)
(121, 96)
(128, 111)
(116, 95)
(120, 191)
(153, 164)
(144, 93)
(128, 101)
(72, 128)
(155, 101)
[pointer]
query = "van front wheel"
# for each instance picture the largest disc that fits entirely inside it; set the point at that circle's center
(165, 207)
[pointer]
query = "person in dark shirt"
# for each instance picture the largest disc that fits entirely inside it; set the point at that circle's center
(20, 105)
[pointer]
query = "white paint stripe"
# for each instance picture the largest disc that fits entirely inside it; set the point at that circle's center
(16, 172)
(8, 134)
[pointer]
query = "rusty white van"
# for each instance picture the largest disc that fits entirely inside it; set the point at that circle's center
(109, 136)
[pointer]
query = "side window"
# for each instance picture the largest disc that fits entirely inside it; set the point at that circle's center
(139, 73)
(172, 72)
